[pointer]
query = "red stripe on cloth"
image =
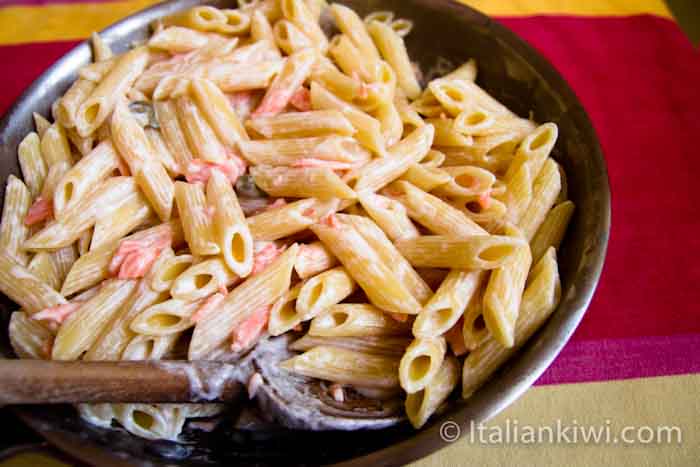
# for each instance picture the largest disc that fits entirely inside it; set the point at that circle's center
(638, 79)
(28, 61)
(609, 359)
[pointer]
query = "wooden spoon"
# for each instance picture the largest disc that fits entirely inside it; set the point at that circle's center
(53, 382)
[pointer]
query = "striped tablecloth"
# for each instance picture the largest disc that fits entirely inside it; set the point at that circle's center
(625, 389)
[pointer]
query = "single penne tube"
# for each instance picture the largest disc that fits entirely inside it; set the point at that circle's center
(218, 112)
(176, 39)
(96, 71)
(382, 286)
(97, 414)
(518, 193)
(101, 101)
(422, 404)
(150, 421)
(369, 132)
(313, 258)
(323, 291)
(473, 252)
(348, 88)
(356, 320)
(83, 145)
(289, 38)
(390, 121)
(294, 72)
(408, 114)
(383, 16)
(200, 136)
(290, 219)
(539, 301)
(545, 190)
(43, 268)
(452, 95)
(391, 346)
(501, 300)
(421, 363)
(345, 367)
(41, 124)
(142, 347)
(13, 230)
(476, 121)
(534, 149)
(427, 105)
(237, 22)
(446, 136)
(380, 172)
(283, 314)
(433, 159)
(121, 220)
(390, 215)
(134, 147)
(352, 26)
(32, 163)
(82, 215)
(100, 49)
(386, 250)
(302, 124)
(297, 12)
(196, 223)
(552, 230)
(393, 50)
(83, 244)
(466, 72)
(488, 212)
(465, 181)
(81, 328)
(445, 308)
(54, 145)
(349, 58)
(24, 288)
(231, 230)
(162, 151)
(114, 338)
(233, 76)
(302, 182)
(166, 113)
(201, 18)
(402, 26)
(166, 269)
(259, 290)
(71, 101)
(62, 261)
(28, 338)
(432, 212)
(474, 329)
(202, 279)
(165, 318)
(83, 176)
(426, 178)
(261, 29)
(298, 152)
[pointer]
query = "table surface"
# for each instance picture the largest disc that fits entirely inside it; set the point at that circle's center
(629, 379)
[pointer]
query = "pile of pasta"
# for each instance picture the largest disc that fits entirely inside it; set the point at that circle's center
(240, 175)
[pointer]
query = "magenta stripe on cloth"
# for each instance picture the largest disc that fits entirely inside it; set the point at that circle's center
(609, 359)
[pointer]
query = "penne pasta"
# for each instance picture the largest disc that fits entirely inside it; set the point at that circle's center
(299, 14)
(382, 286)
(302, 124)
(352, 26)
(292, 75)
(200, 136)
(313, 258)
(13, 228)
(422, 404)
(344, 153)
(28, 338)
(32, 163)
(290, 219)
(24, 288)
(421, 363)
(545, 190)
(259, 290)
(231, 231)
(391, 346)
(218, 112)
(302, 182)
(54, 146)
(197, 223)
(173, 135)
(390, 215)
(345, 367)
(71, 101)
(202, 279)
(473, 252)
(323, 291)
(143, 347)
(393, 50)
(426, 178)
(81, 328)
(539, 300)
(448, 304)
(124, 218)
(165, 318)
(283, 314)
(552, 230)
(356, 320)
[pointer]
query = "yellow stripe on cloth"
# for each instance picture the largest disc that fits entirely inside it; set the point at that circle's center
(20, 24)
(56, 22)
(570, 7)
(653, 419)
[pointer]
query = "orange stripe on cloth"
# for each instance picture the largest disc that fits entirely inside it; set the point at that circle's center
(70, 21)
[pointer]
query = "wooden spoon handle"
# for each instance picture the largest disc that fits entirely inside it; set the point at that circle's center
(52, 382)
